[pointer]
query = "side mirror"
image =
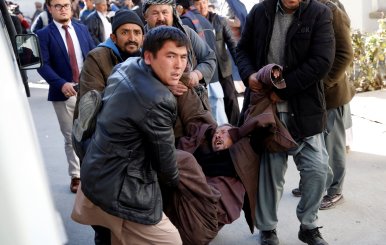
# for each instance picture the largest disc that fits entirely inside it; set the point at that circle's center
(28, 51)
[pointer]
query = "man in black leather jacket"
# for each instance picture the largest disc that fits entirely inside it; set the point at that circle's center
(132, 151)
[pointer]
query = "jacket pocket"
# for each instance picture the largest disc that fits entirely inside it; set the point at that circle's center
(138, 191)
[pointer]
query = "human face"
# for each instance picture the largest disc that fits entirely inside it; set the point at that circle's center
(128, 37)
(159, 15)
(221, 139)
(169, 63)
(89, 4)
(290, 6)
(202, 7)
(101, 7)
(60, 10)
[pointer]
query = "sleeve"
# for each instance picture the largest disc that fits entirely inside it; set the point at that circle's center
(46, 71)
(206, 58)
(228, 38)
(92, 75)
(343, 52)
(244, 48)
(159, 133)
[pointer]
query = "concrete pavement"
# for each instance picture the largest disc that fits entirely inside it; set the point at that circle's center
(361, 219)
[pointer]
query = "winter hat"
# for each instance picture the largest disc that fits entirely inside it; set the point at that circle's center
(147, 3)
(124, 16)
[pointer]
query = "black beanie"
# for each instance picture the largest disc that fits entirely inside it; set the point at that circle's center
(124, 17)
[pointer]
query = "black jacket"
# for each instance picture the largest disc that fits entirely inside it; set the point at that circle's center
(95, 27)
(224, 37)
(132, 149)
(309, 53)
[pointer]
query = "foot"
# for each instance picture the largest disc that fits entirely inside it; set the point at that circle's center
(311, 237)
(296, 192)
(269, 238)
(74, 184)
(330, 201)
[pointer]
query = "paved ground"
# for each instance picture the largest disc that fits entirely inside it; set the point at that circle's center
(361, 219)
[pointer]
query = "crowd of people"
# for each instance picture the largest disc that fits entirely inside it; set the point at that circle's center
(157, 147)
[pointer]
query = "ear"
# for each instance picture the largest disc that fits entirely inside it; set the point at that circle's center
(147, 56)
(113, 37)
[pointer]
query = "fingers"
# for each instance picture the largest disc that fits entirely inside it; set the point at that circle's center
(178, 89)
(68, 90)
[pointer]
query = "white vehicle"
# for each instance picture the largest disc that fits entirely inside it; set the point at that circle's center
(27, 211)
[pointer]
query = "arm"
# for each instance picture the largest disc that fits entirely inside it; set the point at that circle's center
(46, 71)
(228, 38)
(245, 48)
(159, 133)
(206, 58)
(344, 53)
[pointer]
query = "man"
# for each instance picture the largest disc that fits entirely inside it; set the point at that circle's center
(38, 10)
(299, 36)
(98, 24)
(42, 20)
(339, 93)
(202, 60)
(125, 41)
(132, 151)
(64, 45)
(190, 16)
(88, 9)
(224, 43)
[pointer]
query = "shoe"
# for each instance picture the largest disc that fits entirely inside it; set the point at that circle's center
(269, 238)
(311, 237)
(89, 106)
(74, 184)
(296, 192)
(330, 201)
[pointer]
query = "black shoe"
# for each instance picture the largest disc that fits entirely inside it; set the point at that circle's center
(331, 201)
(311, 237)
(296, 192)
(269, 238)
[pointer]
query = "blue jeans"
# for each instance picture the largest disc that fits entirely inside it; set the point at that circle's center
(311, 160)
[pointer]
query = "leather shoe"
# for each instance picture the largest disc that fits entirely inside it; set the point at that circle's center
(330, 201)
(74, 184)
(269, 237)
(311, 237)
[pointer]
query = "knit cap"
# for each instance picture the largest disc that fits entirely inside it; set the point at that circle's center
(124, 16)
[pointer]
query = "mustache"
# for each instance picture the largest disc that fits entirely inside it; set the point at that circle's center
(132, 43)
(160, 23)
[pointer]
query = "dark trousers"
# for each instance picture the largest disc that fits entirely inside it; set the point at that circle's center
(231, 103)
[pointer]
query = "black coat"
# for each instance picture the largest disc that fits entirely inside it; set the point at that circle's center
(309, 53)
(132, 149)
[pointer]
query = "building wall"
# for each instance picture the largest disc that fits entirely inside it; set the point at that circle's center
(359, 13)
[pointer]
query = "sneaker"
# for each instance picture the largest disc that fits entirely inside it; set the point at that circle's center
(311, 237)
(296, 192)
(89, 106)
(330, 201)
(269, 237)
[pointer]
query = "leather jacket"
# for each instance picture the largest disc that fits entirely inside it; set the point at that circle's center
(132, 150)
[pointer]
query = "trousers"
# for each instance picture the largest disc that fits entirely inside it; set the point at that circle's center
(311, 160)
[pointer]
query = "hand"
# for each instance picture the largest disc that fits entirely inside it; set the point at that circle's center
(194, 78)
(254, 84)
(178, 89)
(274, 98)
(68, 90)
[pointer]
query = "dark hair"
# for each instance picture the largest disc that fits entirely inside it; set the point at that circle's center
(156, 37)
